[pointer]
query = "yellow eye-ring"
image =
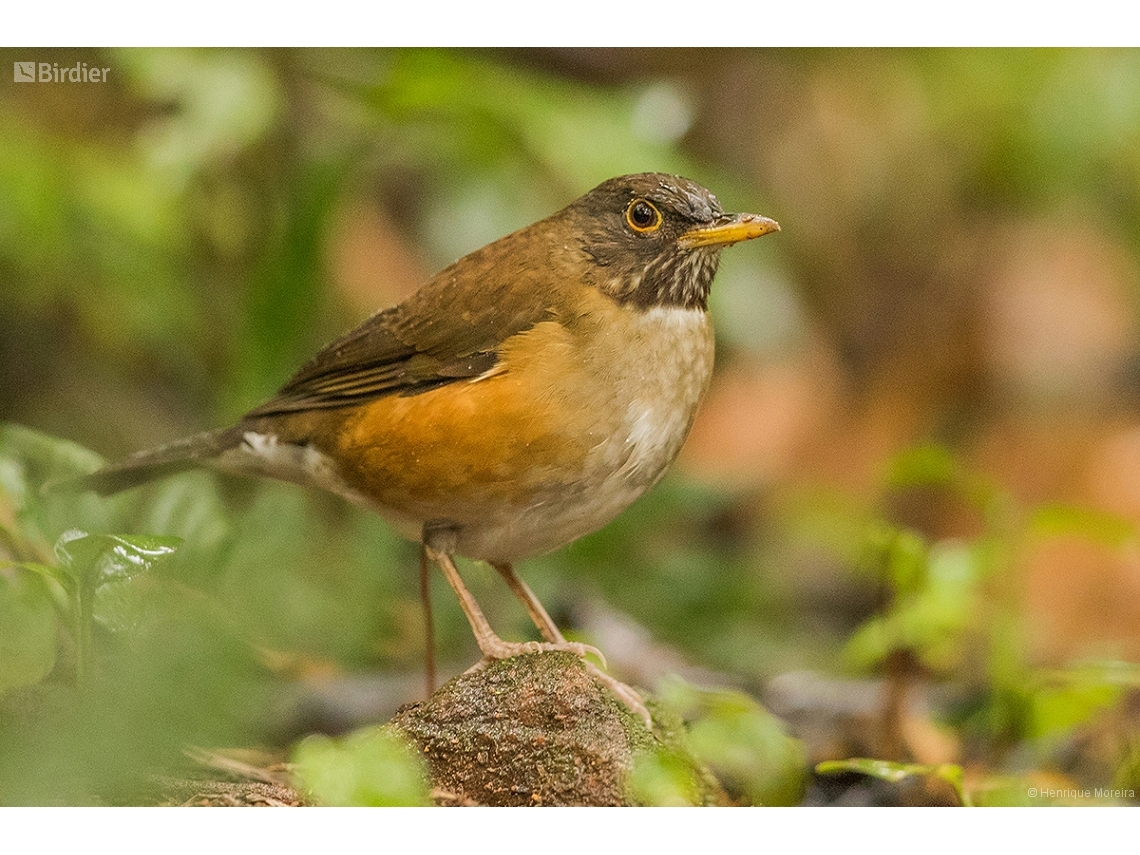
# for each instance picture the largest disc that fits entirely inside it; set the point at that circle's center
(642, 216)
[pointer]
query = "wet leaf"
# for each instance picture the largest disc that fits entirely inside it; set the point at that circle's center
(94, 559)
(121, 606)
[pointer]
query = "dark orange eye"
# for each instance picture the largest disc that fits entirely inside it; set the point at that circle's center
(642, 216)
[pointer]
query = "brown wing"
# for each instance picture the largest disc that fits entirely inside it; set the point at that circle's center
(450, 329)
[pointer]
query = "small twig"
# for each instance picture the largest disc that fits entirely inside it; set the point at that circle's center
(222, 763)
(446, 797)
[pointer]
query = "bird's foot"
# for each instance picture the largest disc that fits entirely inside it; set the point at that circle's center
(624, 693)
(496, 648)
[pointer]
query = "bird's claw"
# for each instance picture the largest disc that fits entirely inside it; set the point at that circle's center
(624, 693)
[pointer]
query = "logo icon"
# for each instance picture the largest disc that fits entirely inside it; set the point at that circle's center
(24, 72)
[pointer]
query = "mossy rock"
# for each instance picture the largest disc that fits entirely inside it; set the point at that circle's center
(539, 730)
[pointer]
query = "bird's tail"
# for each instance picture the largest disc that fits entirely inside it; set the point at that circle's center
(144, 466)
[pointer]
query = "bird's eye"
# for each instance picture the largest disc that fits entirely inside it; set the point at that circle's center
(642, 216)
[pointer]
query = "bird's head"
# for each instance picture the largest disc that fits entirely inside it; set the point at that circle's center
(655, 240)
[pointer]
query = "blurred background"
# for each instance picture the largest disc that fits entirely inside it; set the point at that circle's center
(906, 518)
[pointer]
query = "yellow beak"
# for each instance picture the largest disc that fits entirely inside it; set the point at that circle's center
(733, 230)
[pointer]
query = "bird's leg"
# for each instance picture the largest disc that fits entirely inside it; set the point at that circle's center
(429, 627)
(533, 607)
(439, 544)
(551, 633)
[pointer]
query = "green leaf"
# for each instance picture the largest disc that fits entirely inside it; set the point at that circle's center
(933, 613)
(121, 606)
(27, 628)
(55, 582)
(95, 559)
(368, 768)
(28, 460)
(887, 770)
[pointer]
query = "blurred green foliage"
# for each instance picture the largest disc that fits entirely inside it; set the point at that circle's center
(664, 779)
(169, 253)
(27, 628)
(748, 748)
(949, 611)
(372, 768)
(894, 772)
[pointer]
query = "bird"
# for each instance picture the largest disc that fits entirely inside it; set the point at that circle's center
(523, 397)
